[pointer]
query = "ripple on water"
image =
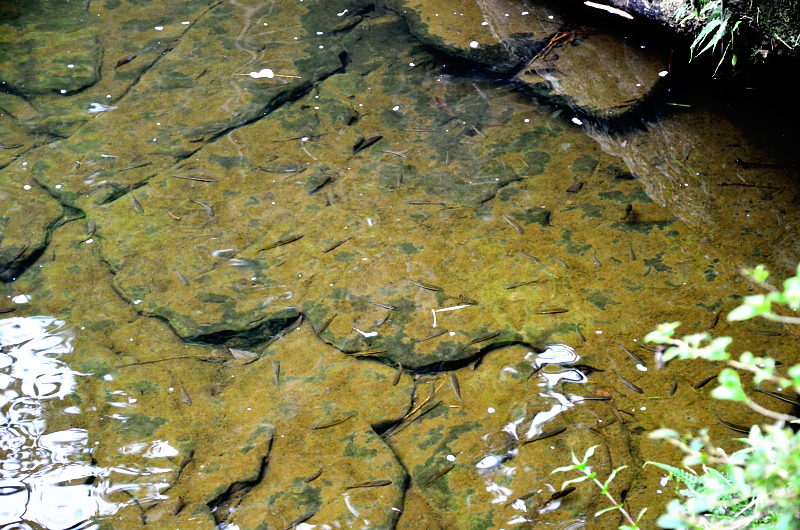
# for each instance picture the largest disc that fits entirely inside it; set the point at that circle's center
(46, 478)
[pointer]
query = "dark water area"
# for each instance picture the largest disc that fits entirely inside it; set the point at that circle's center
(303, 264)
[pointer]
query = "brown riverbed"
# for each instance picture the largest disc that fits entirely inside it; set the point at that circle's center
(247, 301)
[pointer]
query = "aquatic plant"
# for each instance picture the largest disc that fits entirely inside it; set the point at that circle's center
(757, 487)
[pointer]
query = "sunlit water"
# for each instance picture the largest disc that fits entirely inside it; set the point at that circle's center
(262, 284)
(48, 478)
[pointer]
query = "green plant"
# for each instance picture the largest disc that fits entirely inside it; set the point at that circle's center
(716, 26)
(583, 467)
(758, 486)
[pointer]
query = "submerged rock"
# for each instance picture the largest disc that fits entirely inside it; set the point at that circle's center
(602, 76)
(597, 74)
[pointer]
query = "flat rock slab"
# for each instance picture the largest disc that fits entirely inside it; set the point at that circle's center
(471, 460)
(622, 73)
(251, 444)
(28, 215)
(500, 34)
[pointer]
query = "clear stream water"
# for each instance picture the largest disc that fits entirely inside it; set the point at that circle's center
(369, 287)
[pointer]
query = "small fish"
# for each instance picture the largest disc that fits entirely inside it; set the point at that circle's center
(336, 245)
(561, 494)
(363, 143)
(580, 335)
(647, 271)
(426, 286)
(276, 372)
(381, 305)
(520, 284)
(442, 105)
(575, 188)
(384, 319)
(765, 333)
(628, 383)
(433, 335)
(395, 153)
(464, 300)
(596, 397)
(631, 254)
(9, 309)
(513, 224)
(716, 320)
(182, 278)
(185, 398)
(482, 338)
(636, 358)
(529, 257)
(367, 352)
(673, 388)
(91, 228)
(704, 382)
(370, 484)
(321, 185)
(186, 460)
(396, 378)
(209, 210)
(732, 426)
(628, 212)
(134, 166)
(560, 262)
(423, 203)
(124, 60)
(439, 474)
(596, 261)
(315, 476)
(196, 178)
(318, 426)
(545, 434)
(781, 397)
(136, 204)
(456, 387)
(300, 520)
(551, 311)
(325, 324)
(285, 241)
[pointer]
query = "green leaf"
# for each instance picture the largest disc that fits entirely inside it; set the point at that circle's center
(609, 509)
(759, 274)
(729, 393)
(729, 377)
(562, 469)
(589, 453)
(663, 333)
(753, 306)
(692, 481)
(607, 483)
(663, 434)
(791, 291)
(576, 480)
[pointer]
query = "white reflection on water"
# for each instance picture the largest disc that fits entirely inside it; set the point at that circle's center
(47, 479)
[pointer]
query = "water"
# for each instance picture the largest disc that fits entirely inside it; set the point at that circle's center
(259, 287)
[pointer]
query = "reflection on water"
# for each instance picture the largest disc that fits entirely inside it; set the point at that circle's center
(47, 479)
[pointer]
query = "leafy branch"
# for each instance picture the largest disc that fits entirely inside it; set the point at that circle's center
(588, 474)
